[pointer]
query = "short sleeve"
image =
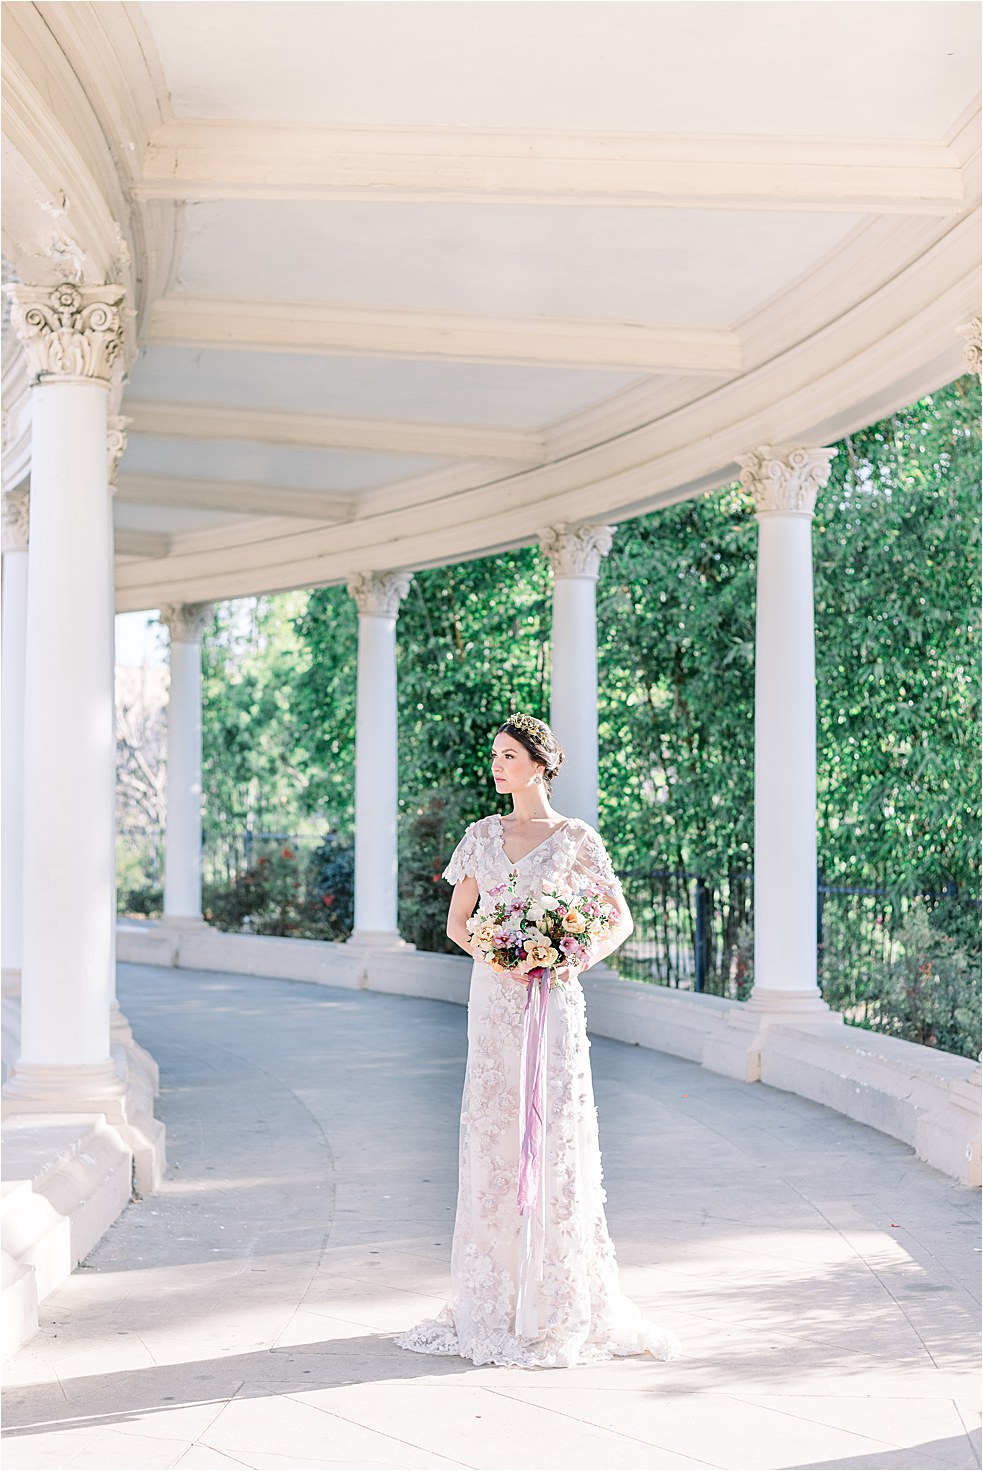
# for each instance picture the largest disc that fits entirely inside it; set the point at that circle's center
(592, 866)
(464, 859)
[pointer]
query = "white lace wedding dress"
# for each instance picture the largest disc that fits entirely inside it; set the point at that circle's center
(546, 1295)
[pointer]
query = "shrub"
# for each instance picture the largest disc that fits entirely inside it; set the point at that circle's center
(142, 901)
(430, 828)
(285, 891)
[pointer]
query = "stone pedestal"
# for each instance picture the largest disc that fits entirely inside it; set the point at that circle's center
(575, 553)
(377, 596)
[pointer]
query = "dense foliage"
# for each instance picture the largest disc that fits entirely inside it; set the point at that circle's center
(897, 561)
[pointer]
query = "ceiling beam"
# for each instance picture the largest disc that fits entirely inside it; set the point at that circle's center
(321, 327)
(198, 159)
(150, 544)
(333, 432)
(241, 499)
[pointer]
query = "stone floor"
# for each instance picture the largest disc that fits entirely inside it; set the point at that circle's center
(823, 1281)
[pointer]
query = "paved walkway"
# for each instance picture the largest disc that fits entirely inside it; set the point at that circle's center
(822, 1280)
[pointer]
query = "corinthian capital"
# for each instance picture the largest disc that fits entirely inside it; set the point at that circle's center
(69, 331)
(16, 522)
(379, 594)
(116, 428)
(576, 550)
(185, 621)
(971, 345)
(785, 478)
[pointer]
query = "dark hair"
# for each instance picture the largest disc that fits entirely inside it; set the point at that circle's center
(538, 740)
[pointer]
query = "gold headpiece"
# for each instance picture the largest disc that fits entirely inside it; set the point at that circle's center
(536, 728)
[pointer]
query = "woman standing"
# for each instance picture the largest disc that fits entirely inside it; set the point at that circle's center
(539, 1292)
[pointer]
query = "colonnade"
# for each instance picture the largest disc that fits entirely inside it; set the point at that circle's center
(58, 717)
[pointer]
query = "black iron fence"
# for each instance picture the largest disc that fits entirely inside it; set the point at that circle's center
(695, 933)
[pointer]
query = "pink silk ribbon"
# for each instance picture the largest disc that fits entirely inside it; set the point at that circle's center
(532, 1068)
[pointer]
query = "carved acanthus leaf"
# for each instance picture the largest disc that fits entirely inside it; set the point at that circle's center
(116, 428)
(972, 351)
(576, 550)
(379, 594)
(69, 330)
(785, 479)
(185, 621)
(16, 522)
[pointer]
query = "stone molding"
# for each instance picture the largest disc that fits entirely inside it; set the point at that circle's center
(785, 479)
(470, 337)
(185, 621)
(16, 523)
(972, 351)
(69, 331)
(199, 158)
(379, 594)
(117, 426)
(576, 550)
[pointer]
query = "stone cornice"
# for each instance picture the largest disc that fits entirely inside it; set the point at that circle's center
(69, 331)
(16, 522)
(379, 594)
(785, 479)
(576, 551)
(185, 621)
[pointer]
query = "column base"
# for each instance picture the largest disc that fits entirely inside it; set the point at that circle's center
(181, 923)
(771, 1003)
(378, 940)
(115, 1089)
(735, 1049)
(139, 1059)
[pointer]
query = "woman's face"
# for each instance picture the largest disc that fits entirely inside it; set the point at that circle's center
(512, 766)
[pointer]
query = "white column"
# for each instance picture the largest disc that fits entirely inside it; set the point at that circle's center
(182, 838)
(377, 596)
(72, 335)
(16, 511)
(784, 480)
(575, 554)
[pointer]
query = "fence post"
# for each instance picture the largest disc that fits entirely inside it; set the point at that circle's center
(819, 914)
(701, 935)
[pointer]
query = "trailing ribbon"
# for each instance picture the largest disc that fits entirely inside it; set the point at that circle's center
(532, 1068)
(531, 1196)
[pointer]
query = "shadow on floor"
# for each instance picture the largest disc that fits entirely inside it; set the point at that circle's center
(126, 1395)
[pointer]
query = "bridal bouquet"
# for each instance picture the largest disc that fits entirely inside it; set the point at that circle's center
(531, 937)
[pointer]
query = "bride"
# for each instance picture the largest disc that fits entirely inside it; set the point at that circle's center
(538, 1290)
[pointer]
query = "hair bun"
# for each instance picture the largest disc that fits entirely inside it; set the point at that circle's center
(537, 738)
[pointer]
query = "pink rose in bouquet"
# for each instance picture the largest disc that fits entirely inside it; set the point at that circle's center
(534, 936)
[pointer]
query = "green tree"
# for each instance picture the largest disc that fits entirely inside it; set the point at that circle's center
(254, 771)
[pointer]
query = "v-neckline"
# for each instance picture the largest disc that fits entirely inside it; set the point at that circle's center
(515, 863)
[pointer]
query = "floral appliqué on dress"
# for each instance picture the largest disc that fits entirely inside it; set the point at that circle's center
(581, 1312)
